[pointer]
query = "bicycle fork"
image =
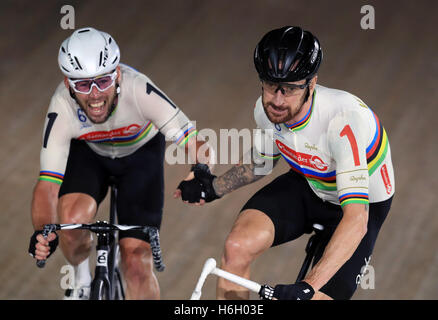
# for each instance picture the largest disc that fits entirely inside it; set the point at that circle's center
(101, 279)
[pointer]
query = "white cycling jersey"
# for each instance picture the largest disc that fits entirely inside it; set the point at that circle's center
(141, 112)
(339, 146)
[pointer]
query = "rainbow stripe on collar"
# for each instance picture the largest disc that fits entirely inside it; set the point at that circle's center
(303, 122)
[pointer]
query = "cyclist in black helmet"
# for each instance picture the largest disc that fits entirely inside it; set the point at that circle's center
(341, 173)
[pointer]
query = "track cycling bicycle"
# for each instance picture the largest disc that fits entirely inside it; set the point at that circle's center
(107, 283)
(319, 238)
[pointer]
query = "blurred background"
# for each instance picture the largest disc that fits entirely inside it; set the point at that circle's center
(199, 52)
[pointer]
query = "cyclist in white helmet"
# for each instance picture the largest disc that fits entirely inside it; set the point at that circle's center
(105, 119)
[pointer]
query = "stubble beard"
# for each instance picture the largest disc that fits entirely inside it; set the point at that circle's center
(291, 111)
(103, 119)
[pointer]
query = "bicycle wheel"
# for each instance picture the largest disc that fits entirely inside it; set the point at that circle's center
(100, 290)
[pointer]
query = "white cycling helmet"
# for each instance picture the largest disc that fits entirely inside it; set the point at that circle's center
(88, 53)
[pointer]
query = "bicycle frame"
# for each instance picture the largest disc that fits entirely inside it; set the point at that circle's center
(101, 279)
(264, 291)
(112, 254)
(106, 248)
(104, 230)
(311, 248)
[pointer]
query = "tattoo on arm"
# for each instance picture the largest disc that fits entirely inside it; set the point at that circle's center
(238, 176)
(367, 207)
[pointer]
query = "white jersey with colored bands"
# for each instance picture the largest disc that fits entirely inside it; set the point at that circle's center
(141, 112)
(339, 146)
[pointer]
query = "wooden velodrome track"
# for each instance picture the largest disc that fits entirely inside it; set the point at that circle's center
(200, 54)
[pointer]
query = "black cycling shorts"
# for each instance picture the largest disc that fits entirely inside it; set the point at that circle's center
(139, 178)
(293, 208)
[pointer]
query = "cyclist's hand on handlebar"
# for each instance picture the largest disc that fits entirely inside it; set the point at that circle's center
(41, 248)
(197, 188)
(297, 291)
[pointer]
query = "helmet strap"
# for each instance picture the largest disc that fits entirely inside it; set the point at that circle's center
(72, 94)
(307, 94)
(116, 99)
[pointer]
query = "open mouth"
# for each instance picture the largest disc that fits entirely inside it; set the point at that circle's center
(97, 108)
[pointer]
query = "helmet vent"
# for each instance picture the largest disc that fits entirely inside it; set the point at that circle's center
(287, 54)
(77, 62)
(88, 53)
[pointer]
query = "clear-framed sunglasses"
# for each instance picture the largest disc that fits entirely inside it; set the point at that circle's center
(287, 89)
(102, 83)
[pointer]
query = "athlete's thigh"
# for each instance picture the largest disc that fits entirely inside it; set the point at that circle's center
(284, 203)
(140, 197)
(344, 283)
(84, 173)
(252, 230)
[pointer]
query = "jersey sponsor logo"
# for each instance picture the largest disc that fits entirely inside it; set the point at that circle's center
(385, 178)
(303, 159)
(311, 147)
(82, 118)
(358, 178)
(105, 135)
(81, 115)
(277, 126)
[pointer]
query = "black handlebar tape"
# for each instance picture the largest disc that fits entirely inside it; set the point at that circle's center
(48, 228)
(154, 240)
(41, 263)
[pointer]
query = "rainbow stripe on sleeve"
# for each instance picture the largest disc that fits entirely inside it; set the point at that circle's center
(270, 156)
(376, 151)
(51, 177)
(187, 134)
(355, 197)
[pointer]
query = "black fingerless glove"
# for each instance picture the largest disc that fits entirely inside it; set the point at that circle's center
(33, 241)
(298, 291)
(201, 187)
(204, 176)
(191, 190)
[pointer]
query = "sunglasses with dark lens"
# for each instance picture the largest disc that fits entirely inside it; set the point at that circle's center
(102, 83)
(287, 89)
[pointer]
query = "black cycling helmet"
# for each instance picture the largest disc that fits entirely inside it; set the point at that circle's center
(287, 54)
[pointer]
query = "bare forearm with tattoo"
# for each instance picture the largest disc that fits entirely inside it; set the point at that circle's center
(236, 177)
